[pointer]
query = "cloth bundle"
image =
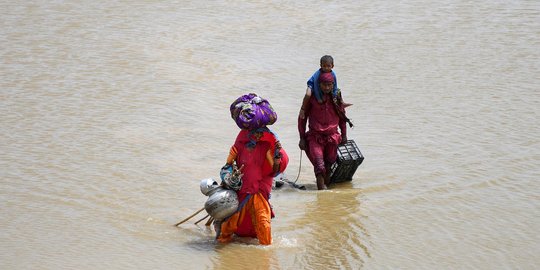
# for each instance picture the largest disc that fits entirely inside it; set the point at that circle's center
(251, 112)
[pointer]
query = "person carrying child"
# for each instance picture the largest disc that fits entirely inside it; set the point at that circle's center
(325, 113)
(327, 64)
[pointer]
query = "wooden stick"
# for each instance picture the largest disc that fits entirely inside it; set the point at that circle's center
(194, 214)
(209, 222)
(202, 219)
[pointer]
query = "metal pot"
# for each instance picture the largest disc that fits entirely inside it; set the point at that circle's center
(207, 185)
(221, 203)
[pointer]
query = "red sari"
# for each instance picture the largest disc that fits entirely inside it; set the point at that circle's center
(253, 219)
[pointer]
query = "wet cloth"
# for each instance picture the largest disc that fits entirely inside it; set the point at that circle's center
(253, 220)
(313, 83)
(323, 136)
(322, 150)
(256, 155)
(322, 118)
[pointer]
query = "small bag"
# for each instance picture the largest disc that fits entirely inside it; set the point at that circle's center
(231, 177)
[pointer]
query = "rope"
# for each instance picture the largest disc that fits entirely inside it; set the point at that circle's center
(299, 167)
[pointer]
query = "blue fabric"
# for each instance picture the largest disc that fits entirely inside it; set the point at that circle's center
(243, 203)
(227, 169)
(313, 83)
(237, 209)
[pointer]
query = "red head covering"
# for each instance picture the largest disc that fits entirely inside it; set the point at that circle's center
(326, 77)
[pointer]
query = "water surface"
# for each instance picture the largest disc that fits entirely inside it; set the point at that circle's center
(112, 113)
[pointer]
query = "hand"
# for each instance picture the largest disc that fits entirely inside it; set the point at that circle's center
(343, 139)
(277, 161)
(237, 172)
(302, 144)
(275, 167)
(302, 114)
(278, 145)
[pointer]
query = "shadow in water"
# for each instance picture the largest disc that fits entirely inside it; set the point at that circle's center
(321, 230)
(333, 224)
(242, 253)
(245, 254)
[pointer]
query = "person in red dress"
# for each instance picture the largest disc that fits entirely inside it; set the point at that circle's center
(325, 117)
(259, 155)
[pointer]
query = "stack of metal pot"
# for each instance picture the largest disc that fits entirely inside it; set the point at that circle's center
(221, 202)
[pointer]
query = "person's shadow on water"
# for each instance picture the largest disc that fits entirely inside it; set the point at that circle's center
(336, 236)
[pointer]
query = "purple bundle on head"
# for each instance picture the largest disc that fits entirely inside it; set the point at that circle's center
(251, 112)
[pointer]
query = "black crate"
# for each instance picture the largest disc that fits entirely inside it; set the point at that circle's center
(348, 159)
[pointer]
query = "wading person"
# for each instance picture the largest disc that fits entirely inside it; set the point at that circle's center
(325, 114)
(258, 153)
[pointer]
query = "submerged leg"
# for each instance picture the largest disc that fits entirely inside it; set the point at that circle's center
(327, 174)
(226, 229)
(320, 182)
(316, 157)
(330, 156)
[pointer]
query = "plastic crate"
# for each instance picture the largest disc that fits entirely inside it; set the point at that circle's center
(349, 158)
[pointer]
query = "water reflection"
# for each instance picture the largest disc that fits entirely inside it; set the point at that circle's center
(334, 224)
(242, 253)
(245, 254)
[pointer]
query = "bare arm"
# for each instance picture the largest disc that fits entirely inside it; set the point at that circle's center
(305, 103)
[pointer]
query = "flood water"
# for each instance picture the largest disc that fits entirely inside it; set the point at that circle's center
(113, 111)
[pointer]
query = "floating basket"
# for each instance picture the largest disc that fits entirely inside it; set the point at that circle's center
(348, 159)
